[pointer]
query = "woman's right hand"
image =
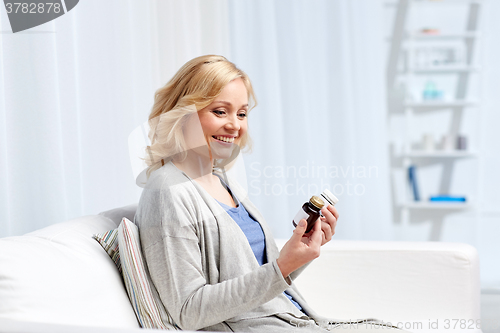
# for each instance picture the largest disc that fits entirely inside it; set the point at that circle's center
(300, 249)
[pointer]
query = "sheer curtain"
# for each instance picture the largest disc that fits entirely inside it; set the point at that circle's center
(318, 70)
(73, 89)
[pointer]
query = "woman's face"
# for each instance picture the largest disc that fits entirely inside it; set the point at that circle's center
(223, 122)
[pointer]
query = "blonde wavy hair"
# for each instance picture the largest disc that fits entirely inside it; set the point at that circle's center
(194, 87)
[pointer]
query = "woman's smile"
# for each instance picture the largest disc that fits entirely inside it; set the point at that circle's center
(224, 139)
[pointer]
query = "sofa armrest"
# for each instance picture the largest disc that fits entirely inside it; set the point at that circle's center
(395, 282)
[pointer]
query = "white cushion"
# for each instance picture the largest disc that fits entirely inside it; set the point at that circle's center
(60, 274)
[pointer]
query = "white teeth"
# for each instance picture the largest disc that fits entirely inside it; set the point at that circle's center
(224, 138)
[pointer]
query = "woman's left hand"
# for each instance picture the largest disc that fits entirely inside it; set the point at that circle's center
(328, 223)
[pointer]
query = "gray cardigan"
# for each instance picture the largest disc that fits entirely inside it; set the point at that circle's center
(203, 266)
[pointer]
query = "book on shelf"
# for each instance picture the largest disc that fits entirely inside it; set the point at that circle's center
(447, 198)
(412, 177)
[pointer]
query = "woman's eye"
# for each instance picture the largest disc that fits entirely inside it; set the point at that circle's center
(242, 115)
(219, 112)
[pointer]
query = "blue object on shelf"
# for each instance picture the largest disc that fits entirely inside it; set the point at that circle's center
(413, 182)
(447, 198)
(431, 93)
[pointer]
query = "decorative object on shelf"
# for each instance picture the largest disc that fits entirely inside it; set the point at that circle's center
(428, 142)
(430, 31)
(431, 93)
(447, 198)
(462, 142)
(438, 57)
(412, 177)
(448, 142)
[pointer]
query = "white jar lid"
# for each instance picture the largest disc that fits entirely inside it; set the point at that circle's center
(330, 197)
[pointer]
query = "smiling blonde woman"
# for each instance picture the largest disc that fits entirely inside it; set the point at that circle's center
(209, 251)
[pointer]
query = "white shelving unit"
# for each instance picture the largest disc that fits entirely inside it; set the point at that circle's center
(402, 75)
(441, 206)
(420, 36)
(441, 104)
(439, 154)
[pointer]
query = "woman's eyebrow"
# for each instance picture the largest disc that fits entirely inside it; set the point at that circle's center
(228, 103)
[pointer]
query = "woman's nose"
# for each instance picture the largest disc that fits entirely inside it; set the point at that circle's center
(233, 123)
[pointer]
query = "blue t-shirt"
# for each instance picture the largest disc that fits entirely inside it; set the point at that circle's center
(252, 230)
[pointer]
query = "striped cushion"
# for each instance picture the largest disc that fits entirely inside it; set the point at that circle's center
(109, 241)
(142, 294)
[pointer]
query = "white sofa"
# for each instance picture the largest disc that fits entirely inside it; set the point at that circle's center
(59, 279)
